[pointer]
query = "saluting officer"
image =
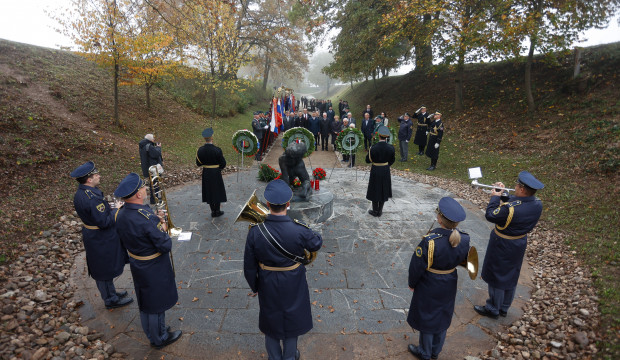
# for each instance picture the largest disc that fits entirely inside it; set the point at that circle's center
(278, 276)
(105, 255)
(507, 243)
(433, 279)
(421, 132)
(144, 236)
(211, 159)
(436, 134)
(382, 156)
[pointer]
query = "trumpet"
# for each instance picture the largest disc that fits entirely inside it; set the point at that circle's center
(162, 204)
(475, 183)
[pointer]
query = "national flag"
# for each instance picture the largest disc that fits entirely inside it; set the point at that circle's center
(279, 115)
(272, 125)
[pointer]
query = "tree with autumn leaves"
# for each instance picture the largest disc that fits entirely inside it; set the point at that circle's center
(143, 41)
(454, 32)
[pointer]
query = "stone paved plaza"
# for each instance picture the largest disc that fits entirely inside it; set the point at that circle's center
(358, 283)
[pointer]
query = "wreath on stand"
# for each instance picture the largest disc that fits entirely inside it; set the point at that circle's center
(245, 142)
(299, 133)
(393, 139)
(349, 141)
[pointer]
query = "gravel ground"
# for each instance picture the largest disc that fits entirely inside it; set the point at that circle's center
(39, 318)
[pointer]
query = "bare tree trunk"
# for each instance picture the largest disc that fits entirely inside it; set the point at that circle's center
(329, 83)
(147, 87)
(424, 51)
(460, 76)
(531, 106)
(266, 71)
(214, 100)
(577, 68)
(116, 75)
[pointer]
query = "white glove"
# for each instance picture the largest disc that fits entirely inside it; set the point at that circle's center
(427, 133)
(436, 146)
(406, 140)
(266, 127)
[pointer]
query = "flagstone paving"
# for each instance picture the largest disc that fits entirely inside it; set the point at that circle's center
(358, 283)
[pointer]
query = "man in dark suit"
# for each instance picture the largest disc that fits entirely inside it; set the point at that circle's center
(305, 122)
(259, 130)
(211, 159)
(326, 127)
(331, 113)
(279, 276)
(367, 129)
(105, 255)
(148, 244)
(368, 110)
(287, 121)
(314, 125)
(513, 220)
(381, 155)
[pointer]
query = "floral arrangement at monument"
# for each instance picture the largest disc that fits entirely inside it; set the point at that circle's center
(296, 183)
(244, 141)
(266, 173)
(299, 134)
(319, 173)
(349, 141)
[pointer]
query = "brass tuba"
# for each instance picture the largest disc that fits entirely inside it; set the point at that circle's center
(162, 204)
(471, 263)
(255, 212)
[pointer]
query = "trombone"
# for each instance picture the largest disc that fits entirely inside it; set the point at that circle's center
(162, 205)
(254, 211)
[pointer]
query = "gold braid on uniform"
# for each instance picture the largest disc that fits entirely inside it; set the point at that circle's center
(431, 251)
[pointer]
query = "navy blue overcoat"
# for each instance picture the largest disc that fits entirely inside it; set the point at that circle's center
(283, 296)
(508, 241)
(105, 255)
(432, 304)
(153, 279)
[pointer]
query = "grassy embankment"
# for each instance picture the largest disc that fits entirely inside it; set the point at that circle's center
(572, 144)
(56, 112)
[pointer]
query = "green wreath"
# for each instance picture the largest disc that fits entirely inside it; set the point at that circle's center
(245, 140)
(391, 140)
(303, 135)
(349, 141)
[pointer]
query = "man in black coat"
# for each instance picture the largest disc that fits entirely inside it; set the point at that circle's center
(150, 154)
(422, 129)
(305, 119)
(382, 156)
(259, 130)
(279, 276)
(287, 121)
(436, 134)
(367, 129)
(335, 129)
(405, 131)
(369, 111)
(211, 159)
(326, 127)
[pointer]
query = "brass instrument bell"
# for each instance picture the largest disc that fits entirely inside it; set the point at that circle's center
(471, 263)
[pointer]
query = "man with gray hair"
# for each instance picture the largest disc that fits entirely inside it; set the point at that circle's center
(150, 154)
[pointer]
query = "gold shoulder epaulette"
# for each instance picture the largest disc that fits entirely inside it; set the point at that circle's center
(145, 213)
(514, 203)
(300, 223)
(89, 194)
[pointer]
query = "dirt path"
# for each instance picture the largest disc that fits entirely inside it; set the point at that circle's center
(41, 95)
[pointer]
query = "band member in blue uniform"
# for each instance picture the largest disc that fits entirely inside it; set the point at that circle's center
(504, 256)
(433, 279)
(105, 255)
(422, 129)
(144, 236)
(277, 276)
(211, 159)
(436, 134)
(382, 155)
